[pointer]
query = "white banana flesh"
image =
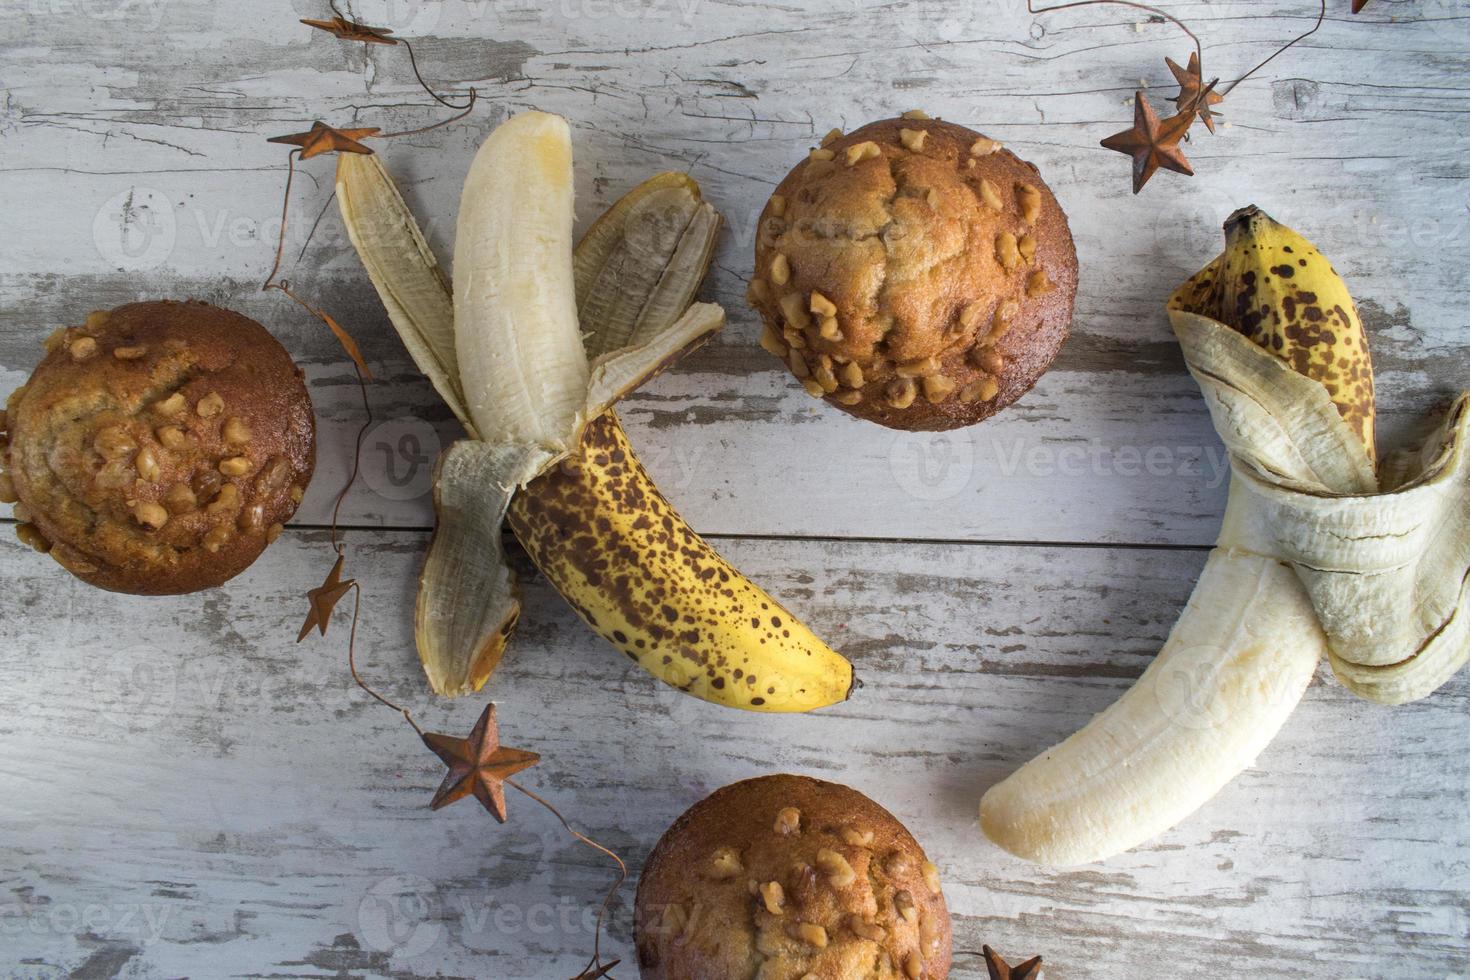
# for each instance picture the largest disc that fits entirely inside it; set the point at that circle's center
(1234, 667)
(523, 368)
(644, 258)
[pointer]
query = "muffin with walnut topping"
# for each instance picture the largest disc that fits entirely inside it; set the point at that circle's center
(914, 273)
(158, 448)
(786, 876)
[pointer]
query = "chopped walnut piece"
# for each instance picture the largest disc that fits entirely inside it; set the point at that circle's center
(798, 365)
(866, 150)
(901, 393)
(1006, 251)
(990, 194)
(836, 867)
(937, 387)
(150, 515)
(918, 369)
(788, 820)
(726, 863)
(210, 405)
(1030, 200)
(780, 270)
(931, 877)
(771, 341)
(809, 933)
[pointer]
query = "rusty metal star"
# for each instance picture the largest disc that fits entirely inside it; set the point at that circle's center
(477, 765)
(1152, 144)
(594, 972)
(352, 30)
(1194, 95)
(1000, 970)
(322, 138)
(1359, 5)
(324, 599)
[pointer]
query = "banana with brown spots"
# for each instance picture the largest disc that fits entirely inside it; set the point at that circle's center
(599, 529)
(1274, 287)
(531, 327)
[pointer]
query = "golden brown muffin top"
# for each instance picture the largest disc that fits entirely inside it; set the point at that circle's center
(160, 447)
(786, 877)
(915, 273)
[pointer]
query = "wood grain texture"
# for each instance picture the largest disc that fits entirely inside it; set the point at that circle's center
(163, 132)
(185, 763)
(185, 792)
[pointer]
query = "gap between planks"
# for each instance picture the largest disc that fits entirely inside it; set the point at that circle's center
(807, 538)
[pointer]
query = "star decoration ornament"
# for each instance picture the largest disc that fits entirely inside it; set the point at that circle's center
(478, 765)
(1359, 5)
(594, 972)
(351, 30)
(1151, 143)
(999, 969)
(1194, 95)
(322, 138)
(324, 599)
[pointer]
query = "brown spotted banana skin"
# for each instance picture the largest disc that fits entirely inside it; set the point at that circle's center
(1273, 286)
(599, 529)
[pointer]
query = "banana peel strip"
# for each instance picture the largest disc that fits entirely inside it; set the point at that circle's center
(407, 276)
(1386, 572)
(620, 372)
(632, 267)
(468, 616)
(468, 599)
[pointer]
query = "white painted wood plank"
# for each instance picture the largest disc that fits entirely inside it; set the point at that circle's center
(1354, 137)
(185, 791)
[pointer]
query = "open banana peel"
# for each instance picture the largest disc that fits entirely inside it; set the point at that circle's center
(530, 347)
(1312, 560)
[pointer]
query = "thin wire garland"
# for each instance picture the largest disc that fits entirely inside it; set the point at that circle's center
(322, 608)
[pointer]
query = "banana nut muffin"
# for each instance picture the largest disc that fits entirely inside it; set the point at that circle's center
(158, 448)
(914, 273)
(783, 878)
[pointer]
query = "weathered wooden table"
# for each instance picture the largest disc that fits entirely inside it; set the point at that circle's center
(184, 791)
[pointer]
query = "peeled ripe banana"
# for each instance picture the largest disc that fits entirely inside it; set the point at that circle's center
(1287, 395)
(545, 341)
